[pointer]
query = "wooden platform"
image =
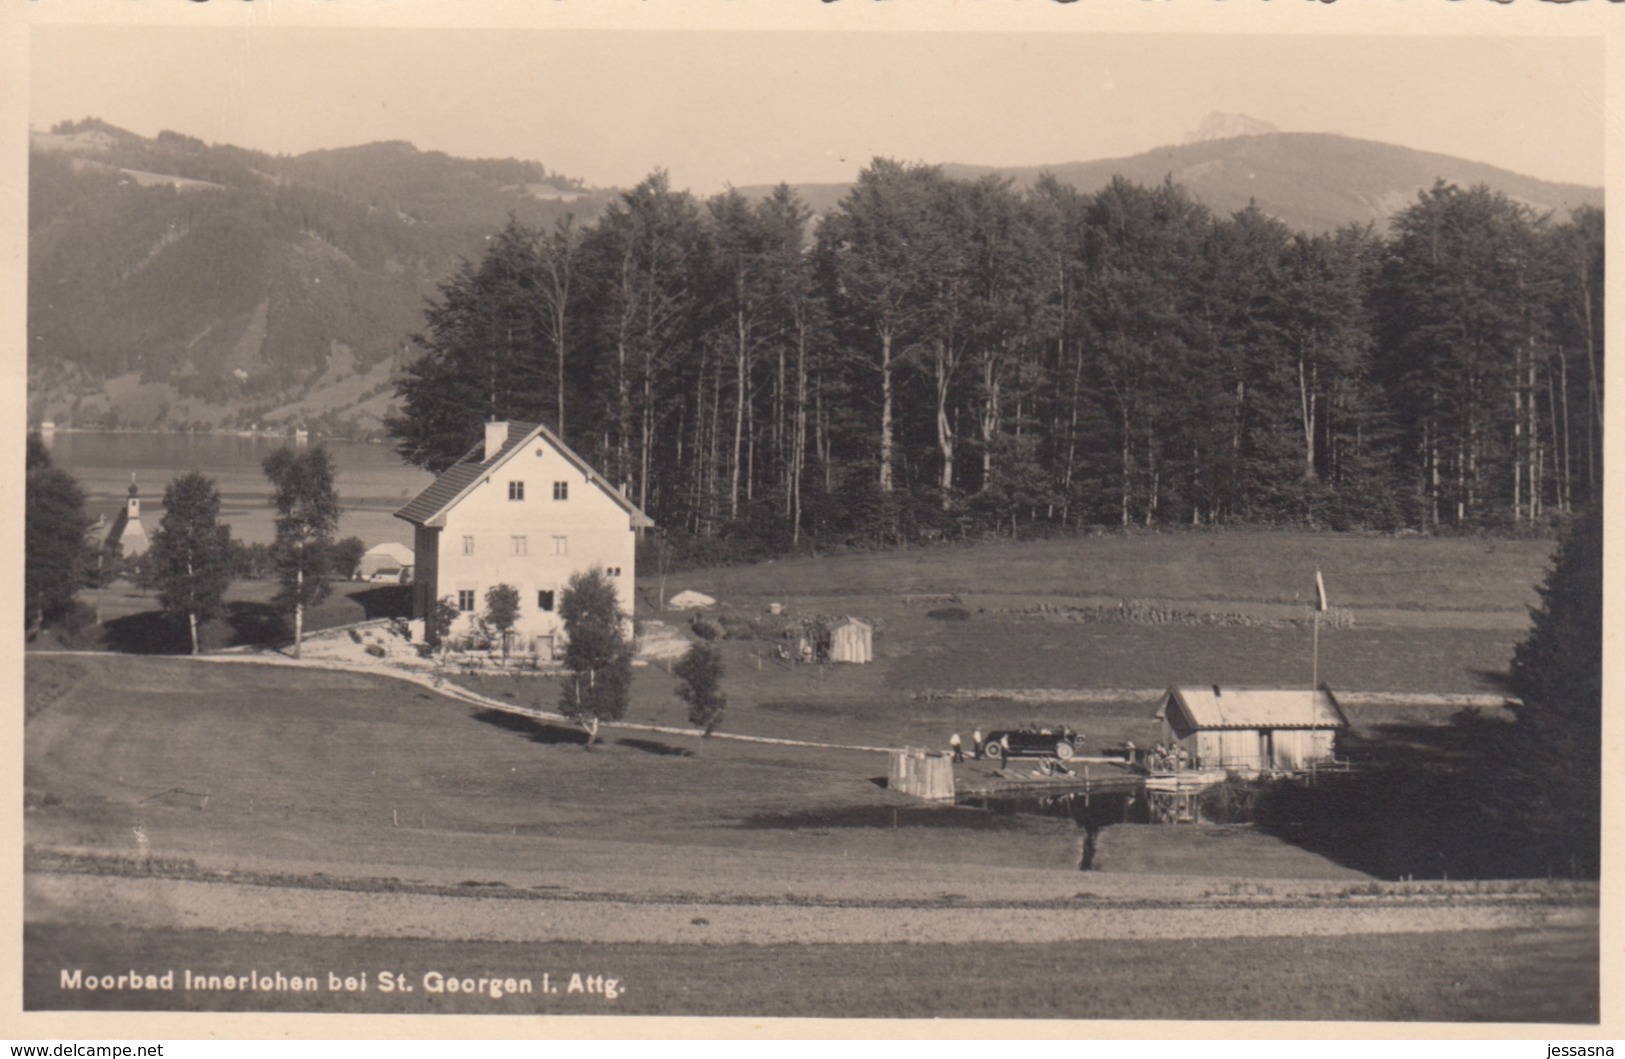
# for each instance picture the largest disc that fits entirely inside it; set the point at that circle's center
(977, 780)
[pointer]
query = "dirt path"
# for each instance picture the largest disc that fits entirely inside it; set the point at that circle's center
(158, 903)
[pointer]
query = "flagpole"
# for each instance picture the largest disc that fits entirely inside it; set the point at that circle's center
(1314, 678)
(1320, 605)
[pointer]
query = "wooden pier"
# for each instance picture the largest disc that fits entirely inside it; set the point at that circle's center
(1028, 779)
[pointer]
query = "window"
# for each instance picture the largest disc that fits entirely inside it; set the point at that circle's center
(465, 600)
(561, 546)
(516, 490)
(544, 599)
(613, 571)
(561, 490)
(521, 546)
(468, 545)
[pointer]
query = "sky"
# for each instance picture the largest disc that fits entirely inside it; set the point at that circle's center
(716, 108)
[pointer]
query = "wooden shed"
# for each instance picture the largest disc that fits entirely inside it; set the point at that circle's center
(1252, 728)
(851, 640)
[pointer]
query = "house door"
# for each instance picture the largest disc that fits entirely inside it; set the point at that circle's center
(1266, 749)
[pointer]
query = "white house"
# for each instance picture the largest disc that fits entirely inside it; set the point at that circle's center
(523, 510)
(391, 560)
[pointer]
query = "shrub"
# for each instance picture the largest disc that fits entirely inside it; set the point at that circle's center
(705, 627)
(701, 673)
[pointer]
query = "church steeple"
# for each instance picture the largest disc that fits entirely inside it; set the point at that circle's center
(128, 533)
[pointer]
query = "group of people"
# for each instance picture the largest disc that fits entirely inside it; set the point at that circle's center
(957, 746)
(1161, 758)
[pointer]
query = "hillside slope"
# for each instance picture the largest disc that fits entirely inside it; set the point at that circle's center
(174, 283)
(179, 284)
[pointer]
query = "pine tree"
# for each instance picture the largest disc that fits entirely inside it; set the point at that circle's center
(1557, 674)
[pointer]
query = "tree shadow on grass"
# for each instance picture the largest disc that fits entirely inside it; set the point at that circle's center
(1405, 745)
(255, 624)
(149, 632)
(652, 746)
(879, 816)
(1425, 801)
(1498, 680)
(386, 601)
(538, 731)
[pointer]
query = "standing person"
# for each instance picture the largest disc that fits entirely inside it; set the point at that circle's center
(976, 744)
(958, 748)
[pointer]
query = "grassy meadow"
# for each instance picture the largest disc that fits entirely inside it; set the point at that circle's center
(334, 776)
(1523, 976)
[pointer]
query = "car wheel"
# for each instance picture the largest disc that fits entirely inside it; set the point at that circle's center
(1063, 750)
(994, 751)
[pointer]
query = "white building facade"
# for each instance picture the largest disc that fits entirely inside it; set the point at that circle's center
(521, 510)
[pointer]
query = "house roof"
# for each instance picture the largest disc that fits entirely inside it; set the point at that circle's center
(393, 550)
(429, 507)
(1210, 706)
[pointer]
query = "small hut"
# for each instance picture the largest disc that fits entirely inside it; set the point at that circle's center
(1252, 728)
(851, 640)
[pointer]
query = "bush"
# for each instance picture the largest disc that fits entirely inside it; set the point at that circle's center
(1232, 802)
(949, 614)
(76, 623)
(701, 673)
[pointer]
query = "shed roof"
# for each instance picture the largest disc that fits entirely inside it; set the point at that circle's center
(851, 622)
(392, 550)
(429, 507)
(1210, 706)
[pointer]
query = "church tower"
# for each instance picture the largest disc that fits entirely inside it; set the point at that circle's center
(128, 532)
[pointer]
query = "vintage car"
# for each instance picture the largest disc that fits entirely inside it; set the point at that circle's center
(1054, 740)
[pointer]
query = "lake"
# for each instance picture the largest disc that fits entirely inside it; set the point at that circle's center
(372, 482)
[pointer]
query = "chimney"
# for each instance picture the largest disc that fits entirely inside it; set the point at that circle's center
(496, 436)
(1216, 692)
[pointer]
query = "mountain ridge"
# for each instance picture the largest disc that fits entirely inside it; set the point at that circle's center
(1311, 181)
(179, 284)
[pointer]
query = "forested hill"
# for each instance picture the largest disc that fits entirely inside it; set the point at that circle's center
(177, 283)
(174, 282)
(940, 356)
(1311, 182)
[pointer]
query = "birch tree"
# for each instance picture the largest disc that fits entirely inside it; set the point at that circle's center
(191, 552)
(307, 517)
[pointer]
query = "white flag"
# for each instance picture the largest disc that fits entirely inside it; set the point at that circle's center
(1320, 593)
